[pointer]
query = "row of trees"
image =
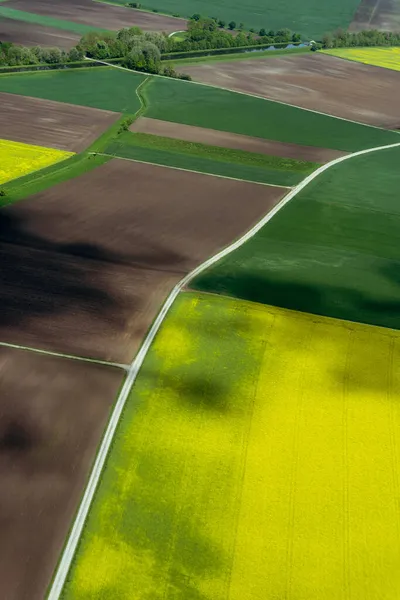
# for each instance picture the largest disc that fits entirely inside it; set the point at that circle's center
(12, 55)
(209, 33)
(373, 37)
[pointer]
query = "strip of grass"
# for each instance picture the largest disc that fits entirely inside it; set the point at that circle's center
(217, 153)
(239, 56)
(28, 17)
(234, 452)
(214, 108)
(77, 165)
(203, 164)
(333, 250)
(106, 88)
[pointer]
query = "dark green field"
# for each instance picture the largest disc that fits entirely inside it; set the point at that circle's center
(312, 18)
(334, 250)
(210, 159)
(194, 104)
(110, 89)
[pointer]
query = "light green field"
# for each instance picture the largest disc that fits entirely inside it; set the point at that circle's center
(388, 58)
(28, 17)
(258, 458)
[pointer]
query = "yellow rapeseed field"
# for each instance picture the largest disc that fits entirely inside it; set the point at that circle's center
(258, 459)
(18, 159)
(380, 57)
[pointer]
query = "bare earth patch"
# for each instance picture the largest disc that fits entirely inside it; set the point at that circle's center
(31, 34)
(52, 414)
(315, 81)
(377, 14)
(52, 124)
(100, 15)
(88, 263)
(225, 139)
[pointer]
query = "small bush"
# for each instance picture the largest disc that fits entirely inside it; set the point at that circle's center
(2, 193)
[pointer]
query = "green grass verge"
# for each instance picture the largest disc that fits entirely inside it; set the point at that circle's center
(77, 165)
(239, 56)
(205, 106)
(106, 88)
(36, 182)
(312, 18)
(208, 159)
(28, 17)
(333, 250)
(218, 153)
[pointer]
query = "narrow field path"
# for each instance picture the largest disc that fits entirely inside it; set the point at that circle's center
(134, 368)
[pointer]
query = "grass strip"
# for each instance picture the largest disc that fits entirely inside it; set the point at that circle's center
(239, 56)
(77, 165)
(145, 140)
(202, 164)
(28, 17)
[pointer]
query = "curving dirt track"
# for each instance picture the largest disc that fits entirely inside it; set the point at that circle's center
(316, 81)
(225, 139)
(53, 124)
(52, 414)
(100, 15)
(85, 269)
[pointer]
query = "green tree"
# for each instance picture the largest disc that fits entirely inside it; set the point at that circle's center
(262, 32)
(232, 25)
(221, 24)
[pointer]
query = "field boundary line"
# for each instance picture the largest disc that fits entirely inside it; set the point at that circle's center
(216, 87)
(95, 361)
(144, 162)
(64, 565)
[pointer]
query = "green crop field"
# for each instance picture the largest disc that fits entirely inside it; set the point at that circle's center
(210, 159)
(311, 18)
(333, 250)
(193, 104)
(27, 17)
(205, 106)
(110, 89)
(257, 458)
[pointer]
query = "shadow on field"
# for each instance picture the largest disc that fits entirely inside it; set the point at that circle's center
(36, 279)
(381, 306)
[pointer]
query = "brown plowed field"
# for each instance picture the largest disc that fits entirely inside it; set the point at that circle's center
(52, 414)
(52, 124)
(233, 140)
(377, 14)
(87, 263)
(31, 34)
(316, 81)
(101, 15)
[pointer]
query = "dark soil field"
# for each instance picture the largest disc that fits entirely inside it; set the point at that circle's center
(85, 269)
(316, 81)
(31, 34)
(100, 15)
(52, 414)
(225, 139)
(377, 14)
(53, 124)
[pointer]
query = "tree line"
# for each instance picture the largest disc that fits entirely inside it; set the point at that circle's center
(372, 37)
